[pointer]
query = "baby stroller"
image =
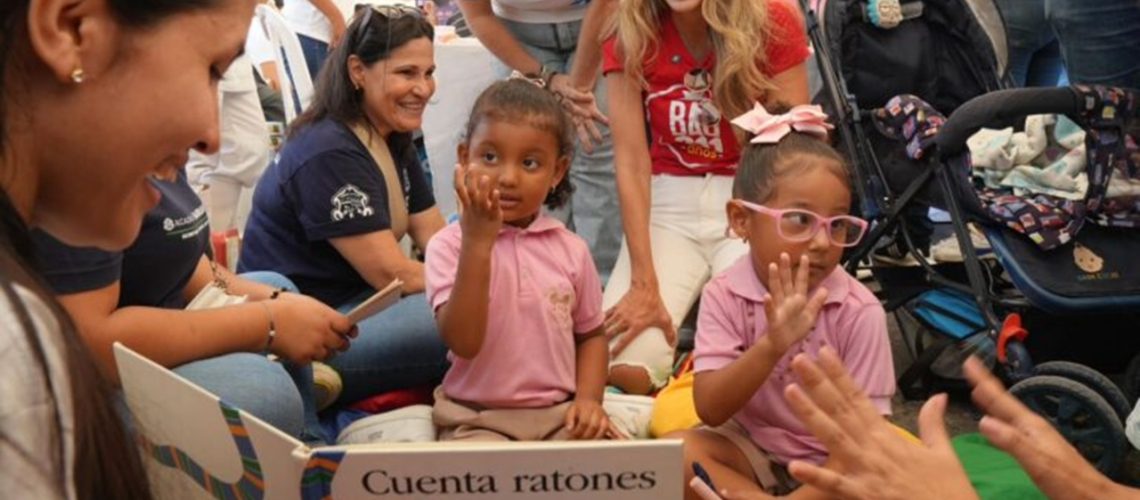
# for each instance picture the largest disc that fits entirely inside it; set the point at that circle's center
(948, 53)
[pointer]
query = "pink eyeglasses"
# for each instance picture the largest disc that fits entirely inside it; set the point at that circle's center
(800, 225)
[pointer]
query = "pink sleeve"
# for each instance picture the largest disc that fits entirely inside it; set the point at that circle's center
(441, 261)
(866, 353)
(588, 314)
(720, 340)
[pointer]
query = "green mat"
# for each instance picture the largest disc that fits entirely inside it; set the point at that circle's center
(995, 474)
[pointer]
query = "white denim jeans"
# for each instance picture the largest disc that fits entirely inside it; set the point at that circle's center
(687, 223)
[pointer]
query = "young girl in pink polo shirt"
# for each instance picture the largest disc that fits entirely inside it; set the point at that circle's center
(790, 203)
(516, 294)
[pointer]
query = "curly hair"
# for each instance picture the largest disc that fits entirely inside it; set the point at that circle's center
(518, 99)
(740, 30)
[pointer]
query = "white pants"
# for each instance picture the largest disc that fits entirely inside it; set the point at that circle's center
(687, 222)
(244, 151)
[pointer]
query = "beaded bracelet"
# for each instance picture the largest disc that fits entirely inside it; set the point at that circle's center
(272, 328)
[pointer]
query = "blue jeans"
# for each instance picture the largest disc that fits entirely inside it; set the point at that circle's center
(593, 211)
(1096, 41)
(1034, 52)
(396, 349)
(279, 393)
(315, 52)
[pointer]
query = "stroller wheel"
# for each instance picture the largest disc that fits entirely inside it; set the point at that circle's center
(1093, 380)
(1086, 420)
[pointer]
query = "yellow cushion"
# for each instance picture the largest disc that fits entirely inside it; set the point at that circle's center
(673, 409)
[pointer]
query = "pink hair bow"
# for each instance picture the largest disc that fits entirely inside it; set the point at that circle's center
(769, 129)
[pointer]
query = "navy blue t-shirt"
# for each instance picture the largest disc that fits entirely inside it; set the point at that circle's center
(153, 271)
(323, 185)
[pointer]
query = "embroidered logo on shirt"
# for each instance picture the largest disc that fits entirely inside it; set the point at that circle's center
(560, 305)
(350, 202)
(186, 227)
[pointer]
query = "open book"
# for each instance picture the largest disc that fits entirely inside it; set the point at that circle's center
(197, 446)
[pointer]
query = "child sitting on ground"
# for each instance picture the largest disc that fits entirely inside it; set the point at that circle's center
(518, 304)
(791, 197)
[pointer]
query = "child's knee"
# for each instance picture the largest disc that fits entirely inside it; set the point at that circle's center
(697, 445)
(631, 379)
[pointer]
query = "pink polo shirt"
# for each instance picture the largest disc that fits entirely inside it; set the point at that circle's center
(852, 322)
(544, 290)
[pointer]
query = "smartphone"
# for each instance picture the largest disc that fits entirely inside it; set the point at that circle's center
(702, 484)
(377, 303)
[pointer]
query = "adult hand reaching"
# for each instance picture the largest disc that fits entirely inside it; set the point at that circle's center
(583, 109)
(1035, 444)
(640, 308)
(872, 460)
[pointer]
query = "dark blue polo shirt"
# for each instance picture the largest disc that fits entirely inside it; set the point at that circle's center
(153, 271)
(323, 185)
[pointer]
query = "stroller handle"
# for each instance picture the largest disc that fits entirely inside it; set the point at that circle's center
(1000, 107)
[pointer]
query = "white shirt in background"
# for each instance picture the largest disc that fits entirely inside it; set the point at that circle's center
(305, 19)
(257, 46)
(540, 11)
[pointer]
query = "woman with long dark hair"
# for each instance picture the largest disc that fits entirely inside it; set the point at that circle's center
(83, 89)
(347, 187)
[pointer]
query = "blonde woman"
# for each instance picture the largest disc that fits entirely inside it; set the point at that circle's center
(680, 69)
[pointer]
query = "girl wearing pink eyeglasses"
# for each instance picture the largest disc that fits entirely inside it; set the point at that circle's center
(790, 203)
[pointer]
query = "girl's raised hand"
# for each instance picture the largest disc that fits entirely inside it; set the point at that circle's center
(480, 215)
(791, 313)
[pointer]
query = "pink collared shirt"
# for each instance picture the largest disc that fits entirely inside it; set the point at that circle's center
(544, 290)
(852, 322)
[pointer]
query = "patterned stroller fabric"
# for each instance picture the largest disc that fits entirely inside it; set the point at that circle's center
(911, 120)
(1108, 116)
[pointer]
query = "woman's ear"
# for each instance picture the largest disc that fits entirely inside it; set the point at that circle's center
(737, 219)
(74, 39)
(356, 70)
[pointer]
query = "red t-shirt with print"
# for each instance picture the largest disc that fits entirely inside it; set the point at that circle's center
(687, 134)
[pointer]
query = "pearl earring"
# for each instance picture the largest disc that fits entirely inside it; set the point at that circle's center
(78, 75)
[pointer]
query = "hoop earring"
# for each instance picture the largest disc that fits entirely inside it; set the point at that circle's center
(78, 75)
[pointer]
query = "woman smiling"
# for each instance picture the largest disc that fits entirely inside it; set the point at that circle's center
(347, 187)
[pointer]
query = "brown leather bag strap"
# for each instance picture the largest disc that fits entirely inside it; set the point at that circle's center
(382, 156)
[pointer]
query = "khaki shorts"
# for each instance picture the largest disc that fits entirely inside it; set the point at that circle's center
(770, 474)
(460, 421)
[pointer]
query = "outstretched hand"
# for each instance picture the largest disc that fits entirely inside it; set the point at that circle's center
(1034, 443)
(480, 215)
(791, 312)
(872, 460)
(582, 108)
